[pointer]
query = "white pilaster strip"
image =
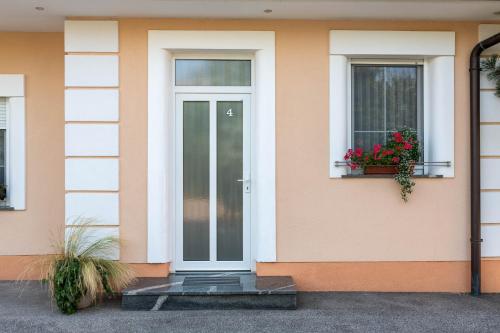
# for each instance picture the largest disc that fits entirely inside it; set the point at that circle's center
(92, 148)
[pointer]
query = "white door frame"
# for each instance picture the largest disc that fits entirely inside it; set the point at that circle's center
(162, 45)
(213, 264)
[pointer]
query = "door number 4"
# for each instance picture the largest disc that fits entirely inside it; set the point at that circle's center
(230, 112)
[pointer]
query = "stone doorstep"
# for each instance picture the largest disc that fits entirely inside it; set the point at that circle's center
(214, 290)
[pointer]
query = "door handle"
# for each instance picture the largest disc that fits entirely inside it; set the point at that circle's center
(246, 184)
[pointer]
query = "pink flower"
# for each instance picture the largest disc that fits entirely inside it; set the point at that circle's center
(354, 166)
(407, 146)
(359, 152)
(387, 152)
(398, 137)
(395, 160)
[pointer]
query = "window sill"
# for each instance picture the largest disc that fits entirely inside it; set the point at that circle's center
(388, 176)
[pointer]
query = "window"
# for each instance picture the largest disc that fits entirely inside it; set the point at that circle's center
(3, 148)
(12, 142)
(370, 97)
(385, 98)
(212, 72)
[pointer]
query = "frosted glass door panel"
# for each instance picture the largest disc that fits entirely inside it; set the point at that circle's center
(196, 180)
(229, 181)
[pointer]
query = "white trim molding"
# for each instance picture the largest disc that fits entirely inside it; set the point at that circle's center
(161, 149)
(12, 87)
(436, 49)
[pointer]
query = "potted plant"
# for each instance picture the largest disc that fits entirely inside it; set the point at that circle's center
(82, 272)
(397, 157)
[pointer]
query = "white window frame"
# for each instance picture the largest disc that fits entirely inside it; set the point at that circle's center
(388, 62)
(12, 88)
(436, 50)
(162, 46)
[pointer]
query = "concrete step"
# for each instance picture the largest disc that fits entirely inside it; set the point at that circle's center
(211, 290)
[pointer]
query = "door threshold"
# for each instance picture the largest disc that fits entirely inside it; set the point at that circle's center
(188, 272)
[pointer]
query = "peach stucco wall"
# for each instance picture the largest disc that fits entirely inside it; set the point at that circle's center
(40, 57)
(318, 219)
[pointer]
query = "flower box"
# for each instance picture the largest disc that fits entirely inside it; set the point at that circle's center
(380, 170)
(397, 157)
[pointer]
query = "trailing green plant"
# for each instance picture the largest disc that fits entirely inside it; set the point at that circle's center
(82, 268)
(401, 151)
(492, 69)
(405, 142)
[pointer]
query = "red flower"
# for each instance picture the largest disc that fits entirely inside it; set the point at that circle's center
(354, 166)
(348, 155)
(359, 152)
(407, 146)
(395, 160)
(387, 152)
(376, 149)
(397, 137)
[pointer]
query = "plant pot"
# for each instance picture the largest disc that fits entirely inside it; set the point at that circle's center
(384, 169)
(380, 170)
(85, 302)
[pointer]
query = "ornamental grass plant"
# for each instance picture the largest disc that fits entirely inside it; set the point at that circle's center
(82, 271)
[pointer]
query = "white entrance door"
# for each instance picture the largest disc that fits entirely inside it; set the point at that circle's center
(212, 182)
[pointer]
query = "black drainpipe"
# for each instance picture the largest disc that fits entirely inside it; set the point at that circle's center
(475, 225)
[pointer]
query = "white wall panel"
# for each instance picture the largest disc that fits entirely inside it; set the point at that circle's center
(91, 36)
(103, 207)
(491, 240)
(490, 140)
(92, 140)
(490, 107)
(91, 104)
(95, 233)
(91, 70)
(92, 174)
(490, 173)
(490, 207)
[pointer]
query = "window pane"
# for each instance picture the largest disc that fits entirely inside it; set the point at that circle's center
(401, 85)
(198, 72)
(196, 180)
(2, 156)
(385, 99)
(368, 98)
